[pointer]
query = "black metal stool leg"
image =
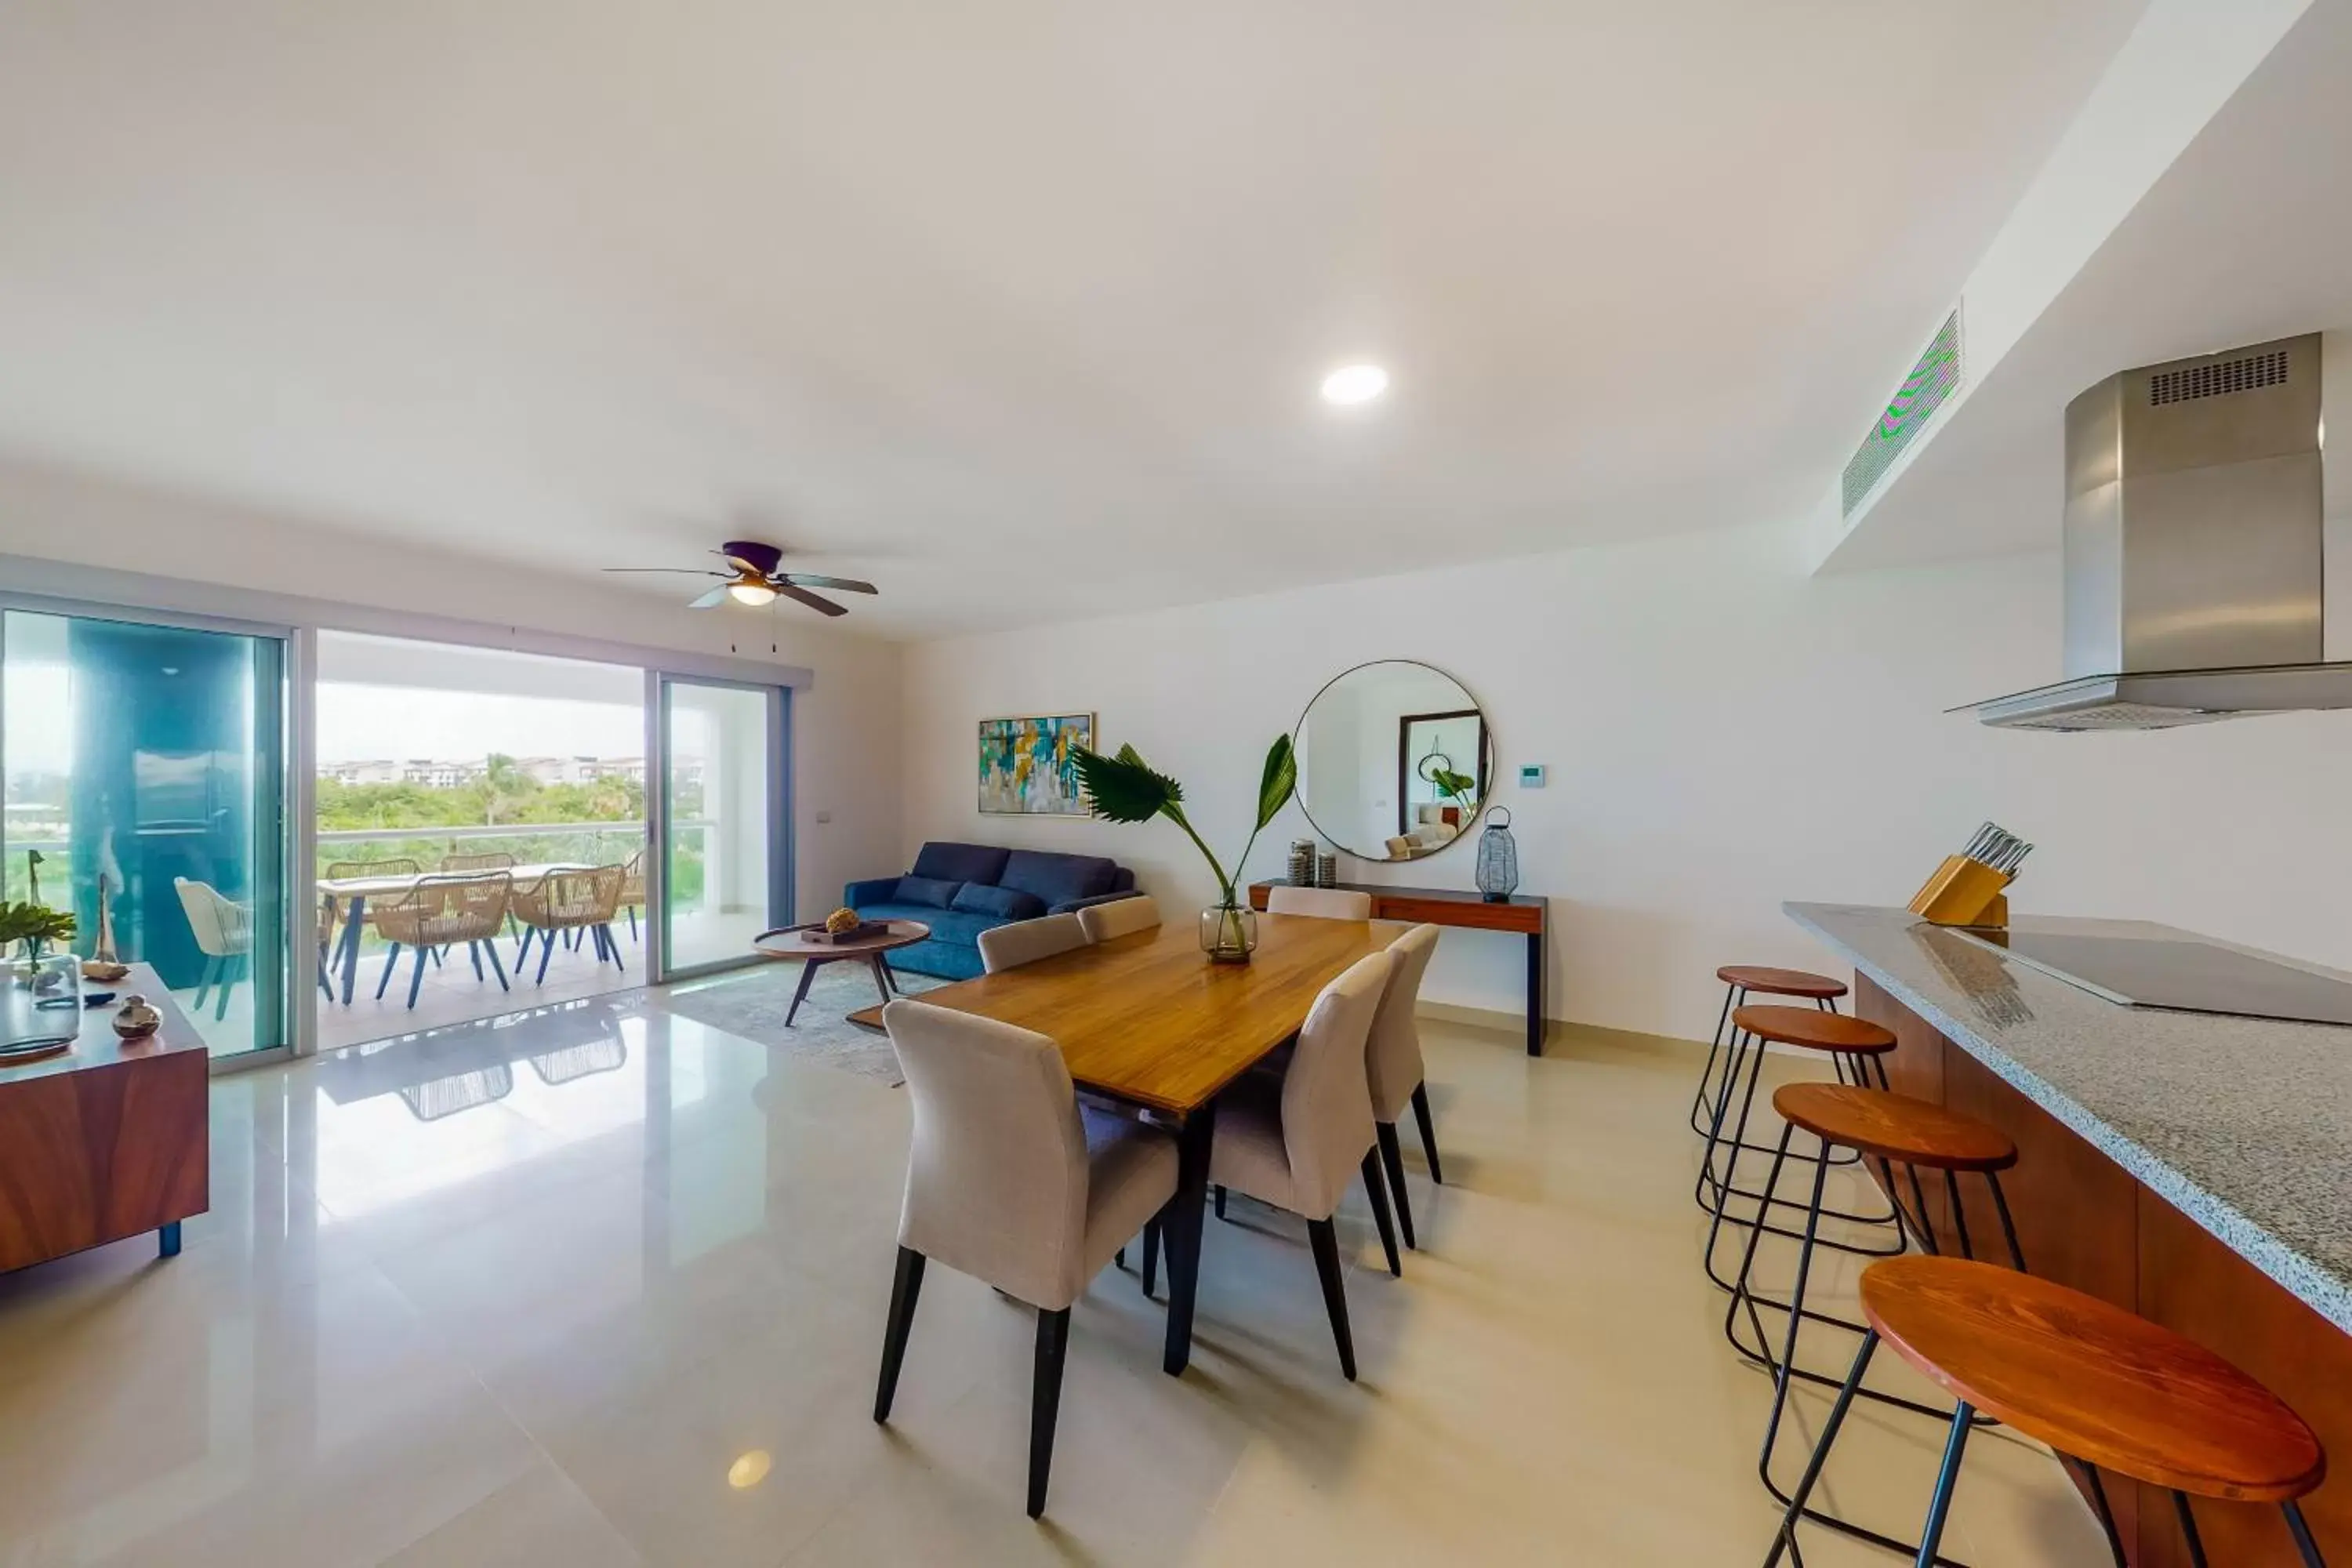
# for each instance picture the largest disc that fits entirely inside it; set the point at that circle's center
(1959, 1212)
(1786, 1540)
(1699, 1100)
(2100, 1505)
(1725, 1189)
(2008, 1225)
(2189, 1527)
(1939, 1507)
(2301, 1534)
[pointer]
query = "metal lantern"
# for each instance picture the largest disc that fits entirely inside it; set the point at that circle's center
(1498, 857)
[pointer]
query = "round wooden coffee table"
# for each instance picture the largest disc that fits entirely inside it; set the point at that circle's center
(797, 941)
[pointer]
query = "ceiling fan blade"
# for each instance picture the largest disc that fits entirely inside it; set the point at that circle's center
(844, 585)
(814, 602)
(711, 600)
(688, 571)
(752, 555)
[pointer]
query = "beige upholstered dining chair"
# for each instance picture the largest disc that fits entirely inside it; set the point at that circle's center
(440, 913)
(1120, 917)
(1330, 903)
(568, 900)
(1295, 1140)
(1010, 1182)
(1026, 942)
(1394, 1062)
(224, 934)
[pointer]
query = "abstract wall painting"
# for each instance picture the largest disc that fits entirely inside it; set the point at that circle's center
(1028, 767)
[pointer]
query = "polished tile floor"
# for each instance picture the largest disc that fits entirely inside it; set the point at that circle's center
(600, 1285)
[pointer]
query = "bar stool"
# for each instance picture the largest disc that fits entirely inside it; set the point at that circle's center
(1738, 981)
(1854, 1047)
(2104, 1388)
(1890, 1128)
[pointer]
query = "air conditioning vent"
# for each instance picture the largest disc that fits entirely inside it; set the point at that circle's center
(2218, 379)
(1929, 385)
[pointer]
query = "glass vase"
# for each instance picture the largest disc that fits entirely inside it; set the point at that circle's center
(40, 1003)
(1229, 932)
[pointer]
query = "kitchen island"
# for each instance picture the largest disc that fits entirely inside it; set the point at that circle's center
(2194, 1168)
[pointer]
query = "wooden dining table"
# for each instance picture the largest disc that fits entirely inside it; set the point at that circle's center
(353, 893)
(1147, 1019)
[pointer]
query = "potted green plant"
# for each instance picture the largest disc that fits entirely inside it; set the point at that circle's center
(1125, 788)
(32, 927)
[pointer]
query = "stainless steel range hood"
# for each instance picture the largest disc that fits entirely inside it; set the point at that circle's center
(2193, 558)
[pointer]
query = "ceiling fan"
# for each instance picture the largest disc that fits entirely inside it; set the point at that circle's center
(755, 580)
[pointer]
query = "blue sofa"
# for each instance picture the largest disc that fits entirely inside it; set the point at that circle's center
(963, 889)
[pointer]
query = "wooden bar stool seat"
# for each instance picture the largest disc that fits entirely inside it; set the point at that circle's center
(2103, 1387)
(1781, 981)
(1894, 1127)
(1889, 1128)
(1812, 1029)
(1739, 980)
(1856, 1047)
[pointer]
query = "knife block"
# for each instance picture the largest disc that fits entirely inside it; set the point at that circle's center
(1964, 892)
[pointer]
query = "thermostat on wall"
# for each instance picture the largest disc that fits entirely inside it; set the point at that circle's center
(1531, 775)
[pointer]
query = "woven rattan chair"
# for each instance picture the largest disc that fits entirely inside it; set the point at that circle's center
(489, 860)
(569, 900)
(346, 870)
(633, 888)
(442, 911)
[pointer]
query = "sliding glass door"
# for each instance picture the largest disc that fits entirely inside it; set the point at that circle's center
(725, 838)
(144, 767)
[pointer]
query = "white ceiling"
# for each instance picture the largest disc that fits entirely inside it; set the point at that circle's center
(2246, 237)
(1017, 308)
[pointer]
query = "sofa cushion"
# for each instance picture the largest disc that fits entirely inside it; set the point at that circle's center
(1002, 903)
(949, 927)
(928, 890)
(945, 861)
(1056, 877)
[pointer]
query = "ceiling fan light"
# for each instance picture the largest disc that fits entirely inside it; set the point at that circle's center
(752, 593)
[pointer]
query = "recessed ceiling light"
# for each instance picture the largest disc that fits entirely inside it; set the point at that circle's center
(749, 1470)
(1355, 384)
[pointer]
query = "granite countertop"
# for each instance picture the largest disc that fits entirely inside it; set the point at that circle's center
(2244, 1124)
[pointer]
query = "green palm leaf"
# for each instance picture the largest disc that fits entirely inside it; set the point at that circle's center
(1279, 784)
(1124, 788)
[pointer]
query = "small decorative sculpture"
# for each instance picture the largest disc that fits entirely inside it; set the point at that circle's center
(137, 1019)
(841, 920)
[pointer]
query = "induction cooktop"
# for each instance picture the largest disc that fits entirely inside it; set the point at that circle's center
(2179, 973)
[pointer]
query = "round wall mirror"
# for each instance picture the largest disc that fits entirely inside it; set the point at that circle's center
(1395, 760)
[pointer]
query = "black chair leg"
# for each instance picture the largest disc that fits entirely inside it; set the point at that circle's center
(904, 1288)
(1376, 1190)
(1392, 1160)
(1046, 1402)
(1151, 1255)
(1335, 1291)
(1428, 1133)
(1221, 1203)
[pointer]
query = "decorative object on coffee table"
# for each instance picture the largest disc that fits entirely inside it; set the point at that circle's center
(1124, 788)
(137, 1018)
(841, 919)
(817, 947)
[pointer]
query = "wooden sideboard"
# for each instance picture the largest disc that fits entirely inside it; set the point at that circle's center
(1519, 914)
(2085, 1222)
(107, 1140)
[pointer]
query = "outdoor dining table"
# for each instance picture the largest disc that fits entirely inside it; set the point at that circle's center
(355, 891)
(1147, 1019)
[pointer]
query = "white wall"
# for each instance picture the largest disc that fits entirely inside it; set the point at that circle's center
(1723, 731)
(845, 729)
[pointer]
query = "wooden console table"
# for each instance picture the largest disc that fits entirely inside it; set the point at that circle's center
(1457, 906)
(107, 1139)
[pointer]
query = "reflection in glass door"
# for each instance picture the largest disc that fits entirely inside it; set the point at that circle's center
(144, 773)
(724, 840)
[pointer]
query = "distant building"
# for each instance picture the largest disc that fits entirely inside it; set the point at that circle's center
(440, 776)
(368, 773)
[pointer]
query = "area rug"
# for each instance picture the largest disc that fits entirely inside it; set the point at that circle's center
(754, 1005)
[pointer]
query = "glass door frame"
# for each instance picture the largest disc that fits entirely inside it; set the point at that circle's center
(298, 966)
(780, 899)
